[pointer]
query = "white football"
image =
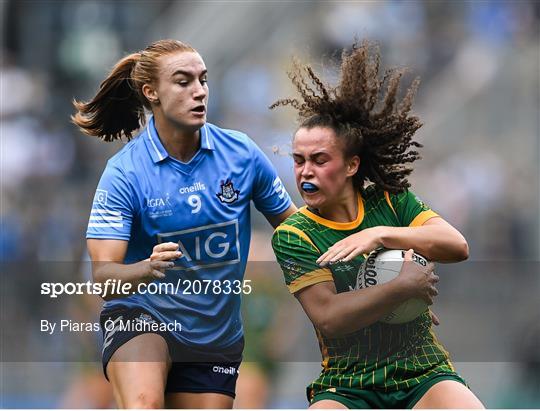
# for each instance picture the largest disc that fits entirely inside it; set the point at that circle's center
(382, 266)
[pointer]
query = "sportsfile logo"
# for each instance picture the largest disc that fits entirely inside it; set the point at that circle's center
(211, 245)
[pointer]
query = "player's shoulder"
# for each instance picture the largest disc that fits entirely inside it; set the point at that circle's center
(130, 154)
(228, 134)
(373, 196)
(126, 165)
(298, 219)
(295, 233)
(230, 139)
(295, 223)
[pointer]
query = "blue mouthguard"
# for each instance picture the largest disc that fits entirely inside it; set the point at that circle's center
(309, 188)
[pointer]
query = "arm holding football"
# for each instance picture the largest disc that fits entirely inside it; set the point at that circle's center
(436, 240)
(336, 314)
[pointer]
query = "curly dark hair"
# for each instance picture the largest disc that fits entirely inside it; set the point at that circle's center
(373, 124)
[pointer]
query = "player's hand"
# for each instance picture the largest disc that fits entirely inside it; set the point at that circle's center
(160, 260)
(363, 242)
(417, 281)
(165, 252)
(155, 270)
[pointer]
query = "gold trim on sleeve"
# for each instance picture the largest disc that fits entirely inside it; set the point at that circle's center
(421, 218)
(314, 277)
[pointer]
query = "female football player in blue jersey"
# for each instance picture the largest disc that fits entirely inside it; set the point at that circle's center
(349, 135)
(172, 209)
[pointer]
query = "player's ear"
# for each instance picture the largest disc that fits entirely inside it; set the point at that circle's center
(150, 93)
(353, 164)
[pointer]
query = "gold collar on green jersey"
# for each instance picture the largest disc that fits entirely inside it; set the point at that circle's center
(334, 224)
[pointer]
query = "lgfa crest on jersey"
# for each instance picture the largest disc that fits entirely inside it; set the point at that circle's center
(228, 193)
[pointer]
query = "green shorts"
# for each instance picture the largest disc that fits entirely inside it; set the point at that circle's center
(361, 399)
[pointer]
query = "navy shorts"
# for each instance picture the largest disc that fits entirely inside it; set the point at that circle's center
(192, 370)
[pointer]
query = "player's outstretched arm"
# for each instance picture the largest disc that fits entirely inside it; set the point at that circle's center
(107, 263)
(436, 240)
(336, 314)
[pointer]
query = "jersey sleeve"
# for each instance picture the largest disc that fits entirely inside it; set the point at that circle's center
(409, 209)
(112, 208)
(297, 257)
(269, 194)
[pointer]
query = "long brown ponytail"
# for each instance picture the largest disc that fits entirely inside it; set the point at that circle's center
(118, 107)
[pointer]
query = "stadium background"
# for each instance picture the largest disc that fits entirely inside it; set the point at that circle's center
(479, 99)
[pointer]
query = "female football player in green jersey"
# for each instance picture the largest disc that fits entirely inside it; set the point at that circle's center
(349, 136)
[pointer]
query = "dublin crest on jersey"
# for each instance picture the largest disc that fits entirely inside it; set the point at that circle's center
(228, 193)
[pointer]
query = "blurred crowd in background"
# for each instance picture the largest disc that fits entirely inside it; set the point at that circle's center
(479, 99)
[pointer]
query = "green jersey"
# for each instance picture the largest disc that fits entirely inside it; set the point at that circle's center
(381, 356)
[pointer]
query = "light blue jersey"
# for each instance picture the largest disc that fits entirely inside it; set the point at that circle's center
(147, 197)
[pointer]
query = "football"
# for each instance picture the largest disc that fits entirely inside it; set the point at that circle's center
(383, 265)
